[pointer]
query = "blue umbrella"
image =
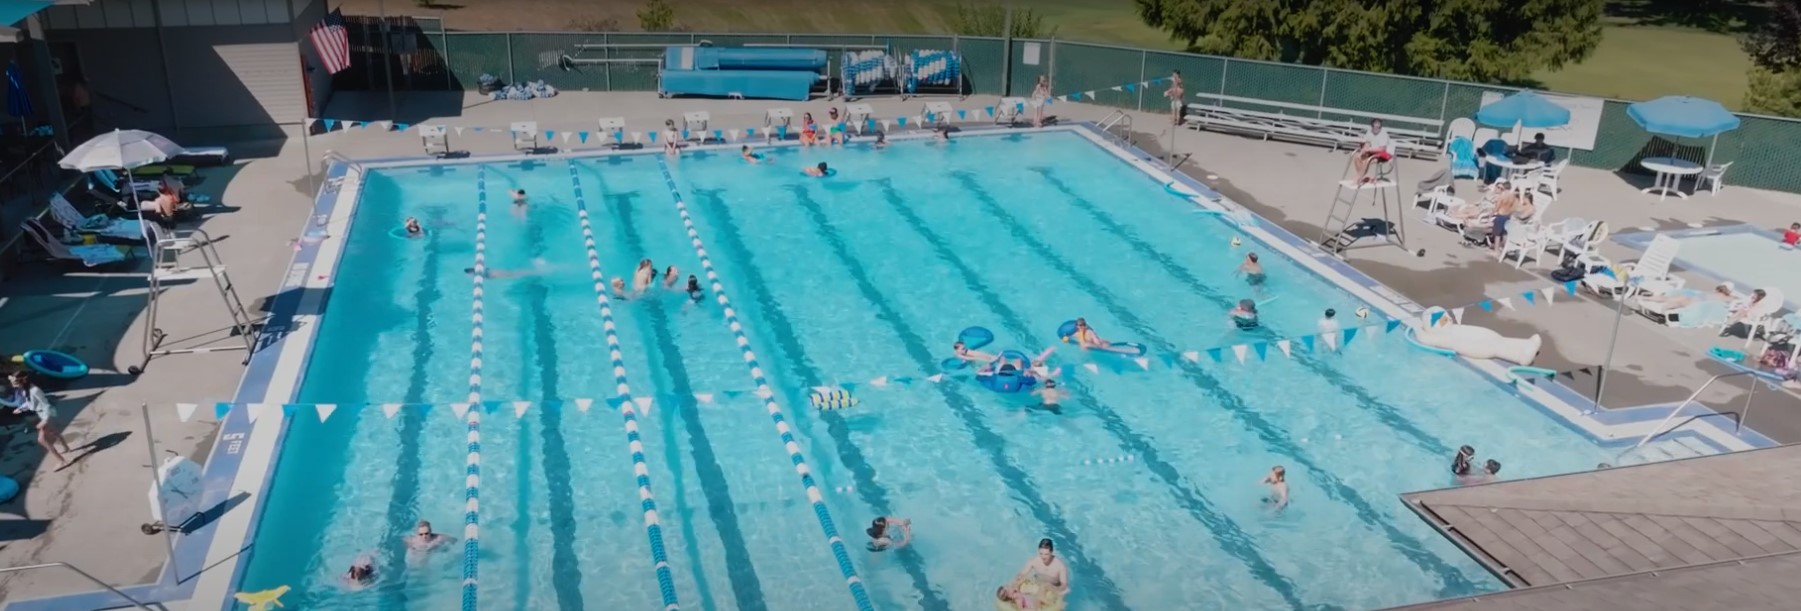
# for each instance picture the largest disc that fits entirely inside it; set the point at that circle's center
(1680, 115)
(1524, 109)
(18, 104)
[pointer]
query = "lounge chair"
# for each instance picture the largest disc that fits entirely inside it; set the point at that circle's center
(110, 181)
(1702, 310)
(99, 225)
(1758, 316)
(91, 255)
(1538, 239)
(1649, 276)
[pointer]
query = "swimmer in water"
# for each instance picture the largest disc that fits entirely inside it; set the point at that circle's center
(976, 356)
(818, 171)
(519, 198)
(1277, 480)
(424, 540)
(1460, 465)
(1089, 340)
(619, 289)
(880, 533)
(1328, 328)
(539, 268)
(881, 140)
(1046, 568)
(1490, 472)
(413, 229)
(1252, 270)
(670, 276)
(1245, 315)
(1050, 396)
(694, 292)
(749, 157)
(643, 276)
(942, 135)
(361, 573)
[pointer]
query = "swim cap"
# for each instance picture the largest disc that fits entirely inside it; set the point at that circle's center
(1331, 312)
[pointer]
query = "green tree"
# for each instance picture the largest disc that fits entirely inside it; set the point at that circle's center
(990, 19)
(1775, 50)
(657, 16)
(1479, 40)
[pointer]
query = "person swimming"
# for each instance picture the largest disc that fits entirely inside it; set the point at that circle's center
(1087, 339)
(1046, 568)
(749, 157)
(1252, 270)
(1491, 471)
(361, 573)
(694, 292)
(539, 267)
(819, 171)
(1277, 480)
(619, 289)
(881, 140)
(413, 229)
(519, 198)
(1050, 397)
(643, 276)
(963, 352)
(1328, 328)
(1460, 465)
(670, 276)
(942, 135)
(424, 540)
(880, 538)
(1245, 315)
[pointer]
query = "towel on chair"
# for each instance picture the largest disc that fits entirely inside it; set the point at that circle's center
(1705, 313)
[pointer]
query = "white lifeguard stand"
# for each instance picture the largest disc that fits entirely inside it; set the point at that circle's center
(435, 140)
(857, 115)
(694, 126)
(525, 136)
(774, 118)
(1349, 221)
(612, 129)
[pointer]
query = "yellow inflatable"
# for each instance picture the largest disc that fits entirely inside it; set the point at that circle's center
(1028, 595)
(261, 601)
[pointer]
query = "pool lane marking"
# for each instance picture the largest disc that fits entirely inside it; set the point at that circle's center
(863, 474)
(1453, 581)
(741, 571)
(1015, 476)
(472, 476)
(628, 407)
(1225, 531)
(1382, 410)
(858, 592)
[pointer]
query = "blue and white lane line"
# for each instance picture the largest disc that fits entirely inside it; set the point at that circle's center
(628, 407)
(764, 391)
(472, 411)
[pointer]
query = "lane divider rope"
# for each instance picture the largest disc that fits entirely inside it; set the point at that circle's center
(472, 476)
(628, 407)
(839, 552)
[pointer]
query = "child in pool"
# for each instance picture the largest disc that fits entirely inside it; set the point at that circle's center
(1245, 315)
(413, 229)
(694, 292)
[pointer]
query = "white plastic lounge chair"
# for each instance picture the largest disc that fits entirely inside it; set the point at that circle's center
(1714, 176)
(525, 136)
(1704, 310)
(1461, 126)
(1542, 239)
(1650, 275)
(100, 225)
(91, 255)
(435, 140)
(1763, 314)
(1438, 200)
(1011, 111)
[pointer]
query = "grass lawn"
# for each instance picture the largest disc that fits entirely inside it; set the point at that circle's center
(1642, 62)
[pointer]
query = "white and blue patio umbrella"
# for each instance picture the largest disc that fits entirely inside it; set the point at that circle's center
(1684, 116)
(1524, 109)
(124, 150)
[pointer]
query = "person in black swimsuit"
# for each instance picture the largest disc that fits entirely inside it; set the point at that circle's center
(694, 292)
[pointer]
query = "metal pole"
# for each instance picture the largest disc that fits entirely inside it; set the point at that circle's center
(1444, 103)
(1007, 52)
(387, 58)
(1323, 74)
(1619, 314)
(156, 476)
(1143, 58)
(1225, 67)
(509, 41)
(306, 152)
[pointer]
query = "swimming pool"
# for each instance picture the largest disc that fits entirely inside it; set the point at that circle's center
(1751, 257)
(1147, 482)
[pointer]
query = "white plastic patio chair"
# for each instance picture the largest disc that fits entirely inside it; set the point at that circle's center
(1763, 314)
(1649, 276)
(1547, 178)
(1010, 111)
(1483, 135)
(1461, 126)
(1714, 177)
(1544, 239)
(525, 136)
(1523, 239)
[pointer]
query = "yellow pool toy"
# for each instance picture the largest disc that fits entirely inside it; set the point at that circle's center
(1047, 598)
(260, 601)
(834, 399)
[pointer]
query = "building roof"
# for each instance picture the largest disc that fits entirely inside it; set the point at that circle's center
(1759, 584)
(1640, 521)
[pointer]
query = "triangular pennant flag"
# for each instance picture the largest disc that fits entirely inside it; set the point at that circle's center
(782, 131)
(567, 136)
(643, 404)
(1091, 367)
(459, 129)
(583, 136)
(582, 405)
(848, 386)
(1192, 356)
(1487, 306)
(460, 409)
(1307, 340)
(732, 394)
(1090, 94)
(653, 136)
(718, 135)
(1393, 323)
(1117, 88)
(637, 137)
(331, 124)
(1287, 350)
(1239, 351)
(752, 132)
(936, 378)
(519, 408)
(384, 125)
(1457, 315)
(1531, 297)
(220, 410)
(1505, 302)
(685, 135)
(1216, 353)
(615, 402)
(734, 133)
(903, 380)
(962, 114)
(902, 121)
(390, 409)
(704, 398)
(1169, 360)
(353, 123)
(310, 121)
(256, 410)
(1130, 87)
(1143, 362)
(185, 411)
(325, 410)
(989, 110)
(1349, 334)
(1262, 349)
(1550, 295)
(879, 382)
(479, 129)
(1570, 286)
(885, 123)
(1432, 321)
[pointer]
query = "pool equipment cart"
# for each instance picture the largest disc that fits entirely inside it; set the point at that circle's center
(1344, 226)
(168, 253)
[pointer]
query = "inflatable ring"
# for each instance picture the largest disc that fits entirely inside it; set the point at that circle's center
(1137, 348)
(975, 337)
(1416, 343)
(1066, 331)
(53, 364)
(400, 233)
(1171, 188)
(830, 172)
(1726, 354)
(953, 364)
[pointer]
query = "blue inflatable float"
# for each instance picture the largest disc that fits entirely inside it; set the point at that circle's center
(1066, 333)
(973, 338)
(53, 364)
(400, 233)
(1008, 379)
(9, 488)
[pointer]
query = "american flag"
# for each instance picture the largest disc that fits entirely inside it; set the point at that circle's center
(332, 42)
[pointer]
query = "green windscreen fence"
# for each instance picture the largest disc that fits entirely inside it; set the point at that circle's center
(1764, 151)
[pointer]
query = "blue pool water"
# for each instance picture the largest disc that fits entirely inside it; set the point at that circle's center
(1147, 482)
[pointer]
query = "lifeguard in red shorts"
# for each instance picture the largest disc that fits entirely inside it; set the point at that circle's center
(1376, 147)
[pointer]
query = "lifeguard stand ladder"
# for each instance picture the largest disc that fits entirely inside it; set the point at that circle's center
(1345, 224)
(170, 267)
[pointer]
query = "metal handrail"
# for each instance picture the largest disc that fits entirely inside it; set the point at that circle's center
(134, 602)
(1659, 430)
(1120, 119)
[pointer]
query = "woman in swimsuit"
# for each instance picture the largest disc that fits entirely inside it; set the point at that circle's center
(974, 356)
(809, 131)
(835, 126)
(1046, 568)
(1040, 94)
(645, 274)
(1089, 340)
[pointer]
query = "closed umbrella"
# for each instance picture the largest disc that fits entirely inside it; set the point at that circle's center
(18, 103)
(1524, 109)
(1688, 117)
(122, 150)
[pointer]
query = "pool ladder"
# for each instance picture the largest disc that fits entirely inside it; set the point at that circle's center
(1738, 419)
(1118, 124)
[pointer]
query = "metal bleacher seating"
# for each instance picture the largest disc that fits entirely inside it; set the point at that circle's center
(1335, 127)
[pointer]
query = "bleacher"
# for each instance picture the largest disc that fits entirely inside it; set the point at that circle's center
(1334, 127)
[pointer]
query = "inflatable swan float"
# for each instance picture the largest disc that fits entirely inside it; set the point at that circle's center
(1450, 338)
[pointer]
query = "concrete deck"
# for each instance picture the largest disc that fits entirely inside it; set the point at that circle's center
(1711, 511)
(89, 514)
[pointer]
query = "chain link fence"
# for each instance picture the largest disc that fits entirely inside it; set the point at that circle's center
(1764, 151)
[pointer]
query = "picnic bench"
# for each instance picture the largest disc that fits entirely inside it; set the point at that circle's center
(1335, 127)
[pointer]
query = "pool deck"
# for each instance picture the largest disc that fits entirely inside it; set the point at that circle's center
(1705, 532)
(70, 516)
